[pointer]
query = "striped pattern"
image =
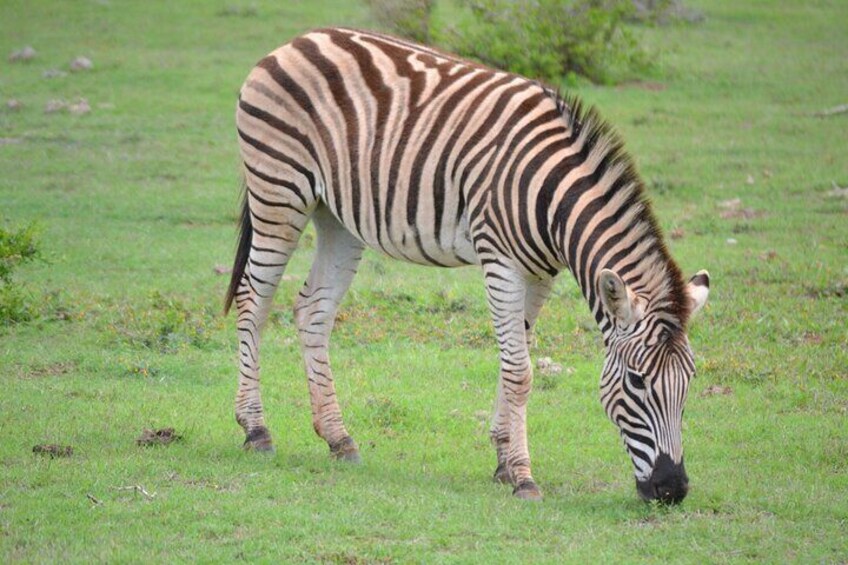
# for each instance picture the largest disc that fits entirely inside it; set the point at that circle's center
(649, 414)
(438, 161)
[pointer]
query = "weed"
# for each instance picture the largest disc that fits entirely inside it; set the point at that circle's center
(141, 369)
(545, 381)
(17, 247)
(167, 325)
(385, 413)
(57, 305)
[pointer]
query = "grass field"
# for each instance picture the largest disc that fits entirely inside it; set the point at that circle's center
(136, 202)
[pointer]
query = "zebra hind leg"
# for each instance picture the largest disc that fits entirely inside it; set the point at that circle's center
(271, 229)
(333, 268)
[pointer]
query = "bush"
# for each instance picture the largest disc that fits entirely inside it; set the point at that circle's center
(406, 18)
(544, 39)
(16, 248)
(15, 305)
(550, 39)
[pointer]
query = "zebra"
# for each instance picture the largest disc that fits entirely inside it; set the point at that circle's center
(434, 160)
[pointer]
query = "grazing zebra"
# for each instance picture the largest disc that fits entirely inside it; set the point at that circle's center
(439, 161)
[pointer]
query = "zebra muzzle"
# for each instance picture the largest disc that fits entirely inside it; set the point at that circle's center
(668, 483)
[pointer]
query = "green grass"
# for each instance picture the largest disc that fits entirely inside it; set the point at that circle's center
(136, 203)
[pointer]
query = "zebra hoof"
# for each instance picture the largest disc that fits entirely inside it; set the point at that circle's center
(502, 475)
(259, 440)
(352, 458)
(527, 491)
(346, 450)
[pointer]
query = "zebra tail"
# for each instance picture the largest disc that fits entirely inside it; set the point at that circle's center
(242, 251)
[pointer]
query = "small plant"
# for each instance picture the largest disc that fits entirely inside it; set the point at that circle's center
(57, 305)
(384, 413)
(141, 369)
(545, 382)
(166, 325)
(16, 248)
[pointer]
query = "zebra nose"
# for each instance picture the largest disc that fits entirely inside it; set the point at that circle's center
(668, 483)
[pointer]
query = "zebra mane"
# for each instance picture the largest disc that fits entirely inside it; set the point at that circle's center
(671, 292)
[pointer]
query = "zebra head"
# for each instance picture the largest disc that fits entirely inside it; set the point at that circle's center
(645, 380)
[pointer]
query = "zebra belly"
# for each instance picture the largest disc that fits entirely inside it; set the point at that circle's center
(412, 243)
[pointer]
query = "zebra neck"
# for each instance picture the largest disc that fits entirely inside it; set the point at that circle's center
(599, 218)
(609, 225)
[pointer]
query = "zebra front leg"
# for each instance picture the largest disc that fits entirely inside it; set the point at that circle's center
(537, 293)
(499, 434)
(335, 263)
(506, 290)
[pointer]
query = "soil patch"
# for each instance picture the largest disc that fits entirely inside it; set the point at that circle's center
(52, 450)
(162, 436)
(49, 370)
(716, 390)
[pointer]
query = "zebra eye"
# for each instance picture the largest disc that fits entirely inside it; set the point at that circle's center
(636, 380)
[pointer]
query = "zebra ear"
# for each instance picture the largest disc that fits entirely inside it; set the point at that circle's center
(618, 299)
(698, 289)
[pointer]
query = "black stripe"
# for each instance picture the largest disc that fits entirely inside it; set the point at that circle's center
(276, 155)
(339, 90)
(280, 126)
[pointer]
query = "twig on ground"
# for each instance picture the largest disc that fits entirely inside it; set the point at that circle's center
(841, 109)
(838, 191)
(138, 489)
(92, 499)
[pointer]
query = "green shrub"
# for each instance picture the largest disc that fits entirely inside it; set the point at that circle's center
(551, 39)
(15, 305)
(16, 248)
(544, 39)
(406, 18)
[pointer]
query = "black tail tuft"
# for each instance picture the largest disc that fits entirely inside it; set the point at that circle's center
(242, 252)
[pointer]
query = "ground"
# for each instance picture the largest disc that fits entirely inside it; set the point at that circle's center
(133, 183)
